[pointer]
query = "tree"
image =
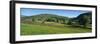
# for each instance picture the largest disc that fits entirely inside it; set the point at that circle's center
(84, 21)
(69, 22)
(43, 21)
(33, 19)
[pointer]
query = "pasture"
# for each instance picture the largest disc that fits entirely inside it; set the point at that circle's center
(50, 28)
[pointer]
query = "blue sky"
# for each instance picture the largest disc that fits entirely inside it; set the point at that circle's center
(67, 13)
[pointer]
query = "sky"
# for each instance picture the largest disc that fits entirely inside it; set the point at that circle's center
(66, 13)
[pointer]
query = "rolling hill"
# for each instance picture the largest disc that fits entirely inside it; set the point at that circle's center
(45, 17)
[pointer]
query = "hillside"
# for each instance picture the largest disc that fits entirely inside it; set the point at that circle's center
(45, 18)
(84, 19)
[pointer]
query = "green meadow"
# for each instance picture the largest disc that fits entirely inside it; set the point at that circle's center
(38, 29)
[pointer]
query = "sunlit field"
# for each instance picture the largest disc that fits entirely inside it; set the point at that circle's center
(37, 29)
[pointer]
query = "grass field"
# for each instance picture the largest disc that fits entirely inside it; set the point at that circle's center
(38, 29)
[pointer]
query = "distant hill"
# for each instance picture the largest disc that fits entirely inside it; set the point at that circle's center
(46, 17)
(88, 15)
(83, 19)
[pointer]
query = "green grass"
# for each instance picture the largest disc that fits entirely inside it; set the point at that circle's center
(38, 29)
